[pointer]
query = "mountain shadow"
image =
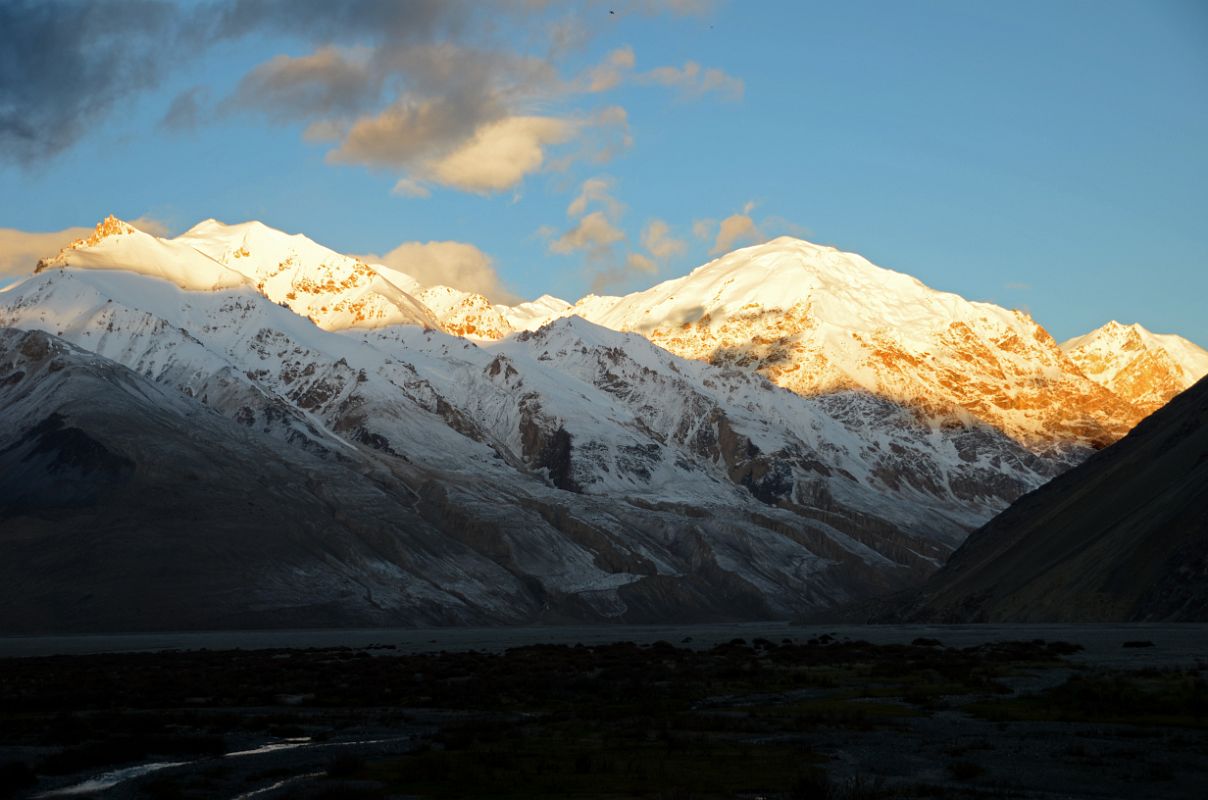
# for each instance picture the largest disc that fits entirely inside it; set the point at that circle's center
(1122, 537)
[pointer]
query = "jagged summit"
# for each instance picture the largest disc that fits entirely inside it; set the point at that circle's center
(109, 226)
(1145, 368)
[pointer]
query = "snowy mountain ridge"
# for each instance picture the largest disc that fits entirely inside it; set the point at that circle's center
(817, 320)
(787, 427)
(808, 317)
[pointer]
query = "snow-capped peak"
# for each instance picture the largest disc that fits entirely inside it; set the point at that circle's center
(534, 313)
(119, 245)
(334, 290)
(815, 319)
(843, 289)
(109, 226)
(1143, 367)
(466, 314)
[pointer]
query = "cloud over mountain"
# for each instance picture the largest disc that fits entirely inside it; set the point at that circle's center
(456, 264)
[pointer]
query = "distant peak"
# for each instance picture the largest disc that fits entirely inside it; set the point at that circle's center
(108, 227)
(211, 226)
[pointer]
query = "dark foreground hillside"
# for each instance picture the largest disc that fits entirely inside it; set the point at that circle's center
(1122, 537)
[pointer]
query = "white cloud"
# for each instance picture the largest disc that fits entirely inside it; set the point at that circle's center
(598, 191)
(692, 80)
(736, 229)
(610, 74)
(457, 264)
(409, 187)
(635, 265)
(20, 250)
(150, 225)
(640, 263)
(500, 154)
(460, 106)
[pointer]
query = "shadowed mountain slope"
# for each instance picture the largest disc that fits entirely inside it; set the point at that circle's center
(1124, 536)
(126, 504)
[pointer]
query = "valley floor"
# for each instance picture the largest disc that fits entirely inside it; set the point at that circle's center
(772, 711)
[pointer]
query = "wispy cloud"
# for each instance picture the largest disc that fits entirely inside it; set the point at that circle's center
(20, 250)
(693, 80)
(187, 110)
(597, 235)
(739, 228)
(736, 229)
(441, 93)
(657, 239)
(594, 233)
(595, 191)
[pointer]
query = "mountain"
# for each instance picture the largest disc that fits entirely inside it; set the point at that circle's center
(333, 290)
(126, 505)
(466, 313)
(539, 467)
(118, 245)
(567, 473)
(532, 315)
(1146, 369)
(816, 320)
(1122, 537)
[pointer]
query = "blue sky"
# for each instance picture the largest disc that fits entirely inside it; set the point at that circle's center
(1050, 156)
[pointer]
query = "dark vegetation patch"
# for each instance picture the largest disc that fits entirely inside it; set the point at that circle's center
(757, 719)
(1144, 697)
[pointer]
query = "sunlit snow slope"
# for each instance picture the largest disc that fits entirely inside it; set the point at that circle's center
(815, 320)
(333, 290)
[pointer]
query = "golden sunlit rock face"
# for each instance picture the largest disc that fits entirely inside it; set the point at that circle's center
(109, 226)
(465, 313)
(1024, 386)
(815, 320)
(333, 295)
